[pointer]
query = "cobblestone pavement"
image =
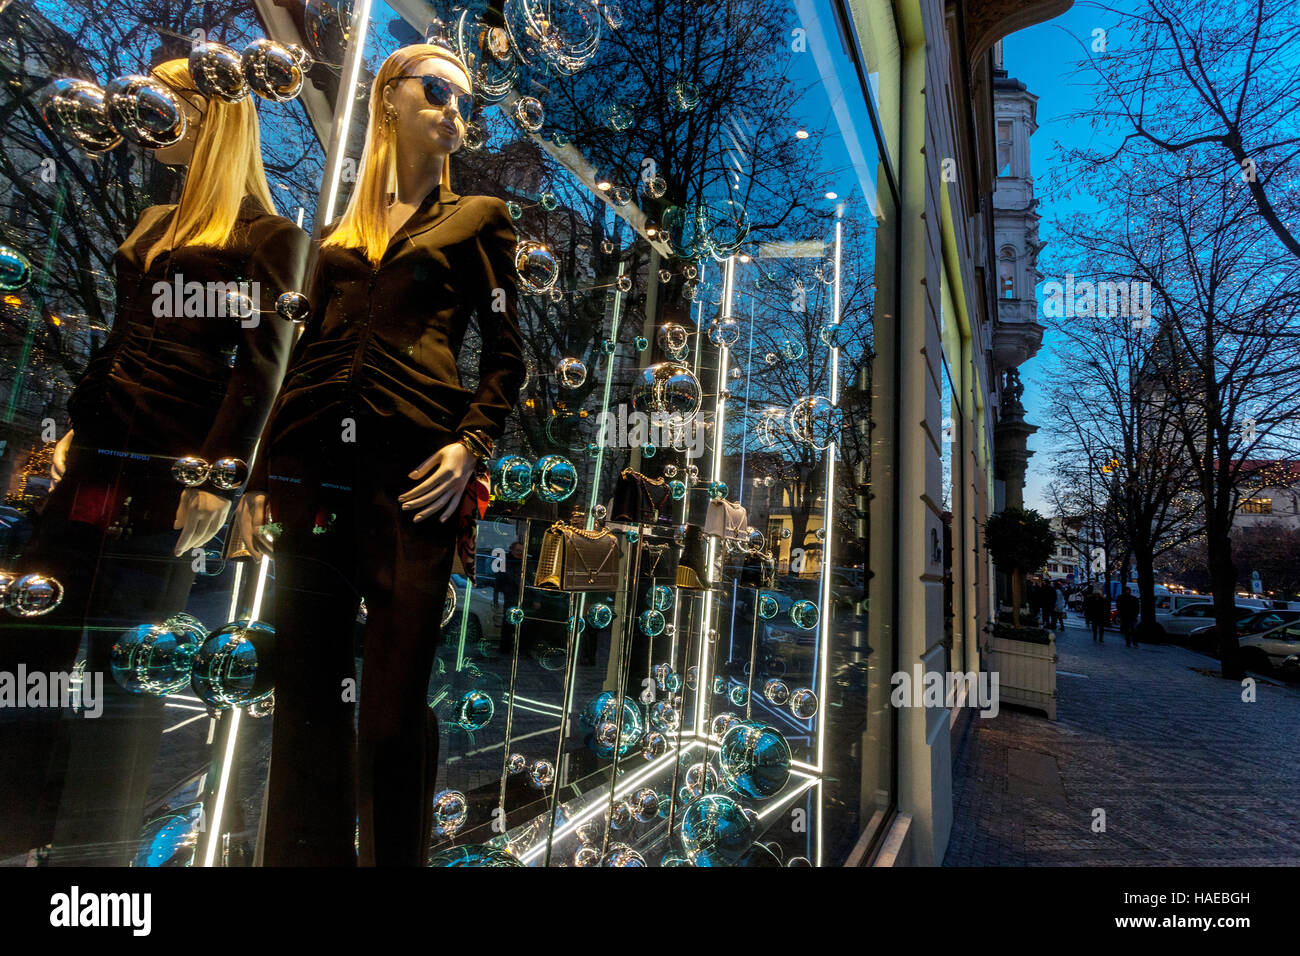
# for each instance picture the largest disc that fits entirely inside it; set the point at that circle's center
(1186, 772)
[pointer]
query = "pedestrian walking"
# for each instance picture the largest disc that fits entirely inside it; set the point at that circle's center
(1096, 611)
(1128, 607)
(1060, 606)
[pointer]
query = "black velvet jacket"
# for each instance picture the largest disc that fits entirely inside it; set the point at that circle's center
(382, 342)
(167, 384)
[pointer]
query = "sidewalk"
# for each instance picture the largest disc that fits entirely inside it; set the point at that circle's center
(1186, 772)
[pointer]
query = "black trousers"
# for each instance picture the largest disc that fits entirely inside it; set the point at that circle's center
(1098, 631)
(338, 776)
(74, 781)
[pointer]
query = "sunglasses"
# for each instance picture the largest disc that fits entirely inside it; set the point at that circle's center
(438, 91)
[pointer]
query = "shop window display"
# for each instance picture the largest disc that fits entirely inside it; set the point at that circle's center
(459, 436)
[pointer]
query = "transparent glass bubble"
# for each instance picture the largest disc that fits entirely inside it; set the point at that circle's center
(30, 595)
(798, 861)
(593, 450)
(690, 270)
(618, 117)
(586, 855)
(557, 294)
(712, 636)
(600, 616)
(684, 95)
(721, 723)
(577, 624)
(228, 474)
(718, 490)
(738, 695)
(450, 811)
(620, 814)
(670, 470)
(620, 854)
(633, 535)
(753, 540)
(218, 72)
(804, 614)
(540, 774)
(78, 110)
(190, 471)
(719, 684)
(680, 230)
(651, 623)
(548, 201)
(665, 276)
(656, 745)
(603, 710)
(560, 138)
(528, 111)
(624, 284)
(673, 337)
(476, 137)
(515, 615)
(555, 478)
(537, 266)
(516, 764)
(670, 629)
(768, 607)
(561, 34)
(803, 703)
(815, 421)
(293, 307)
(274, 71)
(660, 597)
(157, 659)
(145, 111)
(474, 710)
(663, 716)
(755, 760)
(607, 246)
(673, 682)
(620, 195)
(770, 358)
(793, 350)
(825, 270)
(832, 334)
(612, 11)
(515, 210)
(724, 331)
(715, 831)
(726, 223)
(668, 389)
(226, 669)
(692, 676)
(571, 372)
(655, 187)
(645, 805)
(599, 511)
(699, 779)
(641, 343)
(649, 450)
(776, 691)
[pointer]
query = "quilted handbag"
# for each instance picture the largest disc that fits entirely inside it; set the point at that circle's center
(575, 559)
(640, 498)
(726, 519)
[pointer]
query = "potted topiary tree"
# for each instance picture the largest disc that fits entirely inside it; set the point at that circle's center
(1024, 659)
(1020, 541)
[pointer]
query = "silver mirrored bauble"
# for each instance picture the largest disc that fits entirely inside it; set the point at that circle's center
(450, 811)
(272, 70)
(228, 474)
(668, 389)
(218, 72)
(190, 471)
(537, 266)
(145, 111)
(571, 372)
(78, 110)
(293, 307)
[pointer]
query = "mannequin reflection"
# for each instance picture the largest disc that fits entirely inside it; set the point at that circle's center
(372, 389)
(166, 383)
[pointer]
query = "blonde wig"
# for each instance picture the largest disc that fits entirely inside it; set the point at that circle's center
(364, 224)
(226, 167)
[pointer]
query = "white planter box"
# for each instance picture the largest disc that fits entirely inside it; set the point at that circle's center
(1026, 672)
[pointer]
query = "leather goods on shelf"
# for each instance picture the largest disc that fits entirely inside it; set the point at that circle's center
(575, 559)
(640, 498)
(726, 519)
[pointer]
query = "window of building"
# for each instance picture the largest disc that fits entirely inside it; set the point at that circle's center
(1007, 273)
(1257, 506)
(1004, 149)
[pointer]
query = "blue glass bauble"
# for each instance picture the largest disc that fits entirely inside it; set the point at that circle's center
(715, 831)
(513, 476)
(804, 614)
(600, 615)
(599, 716)
(474, 710)
(677, 489)
(157, 659)
(755, 759)
(170, 841)
(515, 615)
(651, 623)
(227, 671)
(555, 478)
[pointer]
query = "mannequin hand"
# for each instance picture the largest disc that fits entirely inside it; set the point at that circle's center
(249, 516)
(199, 516)
(452, 466)
(59, 464)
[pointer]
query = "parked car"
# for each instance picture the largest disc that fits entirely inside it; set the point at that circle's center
(1263, 652)
(1187, 618)
(1252, 622)
(1290, 668)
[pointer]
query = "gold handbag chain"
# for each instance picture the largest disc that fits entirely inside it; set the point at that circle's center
(631, 472)
(593, 535)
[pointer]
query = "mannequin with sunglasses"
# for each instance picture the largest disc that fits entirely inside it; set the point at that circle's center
(363, 471)
(117, 530)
